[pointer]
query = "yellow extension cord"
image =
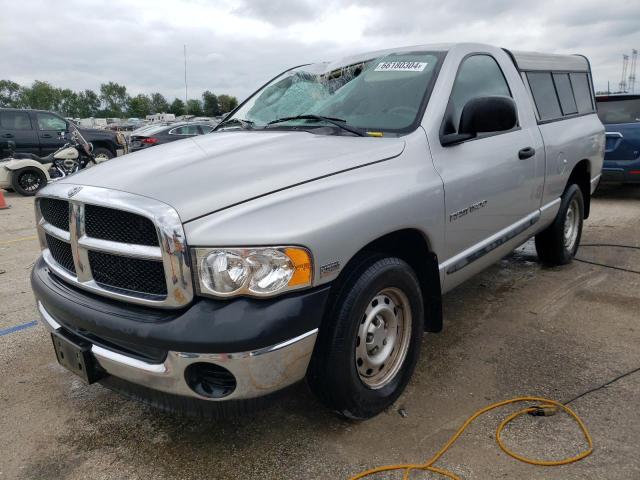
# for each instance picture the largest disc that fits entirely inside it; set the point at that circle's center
(546, 407)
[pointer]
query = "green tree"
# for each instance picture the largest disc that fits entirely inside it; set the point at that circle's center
(140, 106)
(194, 107)
(88, 104)
(41, 95)
(177, 107)
(159, 104)
(9, 94)
(227, 103)
(68, 105)
(114, 98)
(211, 107)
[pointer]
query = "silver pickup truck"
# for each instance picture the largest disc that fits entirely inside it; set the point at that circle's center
(313, 233)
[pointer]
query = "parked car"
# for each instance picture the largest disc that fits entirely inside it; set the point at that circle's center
(38, 132)
(313, 233)
(160, 134)
(620, 113)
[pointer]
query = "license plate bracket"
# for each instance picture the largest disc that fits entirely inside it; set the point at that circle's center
(74, 354)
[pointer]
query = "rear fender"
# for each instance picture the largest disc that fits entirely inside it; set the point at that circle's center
(23, 163)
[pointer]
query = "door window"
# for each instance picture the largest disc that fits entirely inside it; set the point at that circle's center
(15, 121)
(47, 121)
(185, 130)
(478, 76)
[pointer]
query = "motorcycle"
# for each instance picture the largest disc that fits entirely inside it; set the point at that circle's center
(27, 173)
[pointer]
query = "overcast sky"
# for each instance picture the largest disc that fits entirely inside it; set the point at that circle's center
(235, 46)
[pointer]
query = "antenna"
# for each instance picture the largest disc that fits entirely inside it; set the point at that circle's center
(185, 81)
(623, 82)
(632, 73)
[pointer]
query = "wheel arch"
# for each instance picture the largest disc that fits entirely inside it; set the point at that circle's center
(412, 246)
(109, 145)
(581, 176)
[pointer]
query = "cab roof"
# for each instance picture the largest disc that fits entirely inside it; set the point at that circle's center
(524, 61)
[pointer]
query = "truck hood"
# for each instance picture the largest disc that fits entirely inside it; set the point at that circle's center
(200, 175)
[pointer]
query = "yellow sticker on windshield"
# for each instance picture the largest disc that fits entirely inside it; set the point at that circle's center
(401, 66)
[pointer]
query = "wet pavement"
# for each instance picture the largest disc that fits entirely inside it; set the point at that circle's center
(518, 328)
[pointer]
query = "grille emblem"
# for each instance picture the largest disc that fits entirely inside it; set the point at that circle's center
(73, 191)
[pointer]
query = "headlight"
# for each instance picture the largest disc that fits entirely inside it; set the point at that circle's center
(258, 272)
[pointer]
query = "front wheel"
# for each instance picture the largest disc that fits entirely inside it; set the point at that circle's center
(27, 181)
(558, 244)
(370, 340)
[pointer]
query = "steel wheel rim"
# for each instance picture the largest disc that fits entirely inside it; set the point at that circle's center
(30, 182)
(102, 157)
(571, 225)
(383, 338)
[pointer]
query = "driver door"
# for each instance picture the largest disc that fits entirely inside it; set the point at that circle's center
(489, 190)
(49, 128)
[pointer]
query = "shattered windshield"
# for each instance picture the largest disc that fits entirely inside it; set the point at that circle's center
(381, 94)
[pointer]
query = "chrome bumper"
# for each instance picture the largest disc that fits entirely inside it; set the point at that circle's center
(257, 373)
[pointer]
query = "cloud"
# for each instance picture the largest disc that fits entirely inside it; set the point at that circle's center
(234, 46)
(281, 13)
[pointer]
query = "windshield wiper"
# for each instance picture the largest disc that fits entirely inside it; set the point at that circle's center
(248, 124)
(338, 122)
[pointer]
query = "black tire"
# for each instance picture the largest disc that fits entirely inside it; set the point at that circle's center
(333, 374)
(552, 246)
(102, 152)
(28, 181)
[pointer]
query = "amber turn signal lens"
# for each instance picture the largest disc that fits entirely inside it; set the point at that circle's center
(301, 260)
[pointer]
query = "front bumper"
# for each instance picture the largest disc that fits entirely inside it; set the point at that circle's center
(257, 373)
(145, 346)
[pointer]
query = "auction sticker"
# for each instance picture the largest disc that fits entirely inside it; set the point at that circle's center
(401, 67)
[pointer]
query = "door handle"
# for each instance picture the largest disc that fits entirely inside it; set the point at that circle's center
(527, 152)
(46, 135)
(7, 135)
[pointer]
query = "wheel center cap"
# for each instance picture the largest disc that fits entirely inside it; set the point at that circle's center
(376, 335)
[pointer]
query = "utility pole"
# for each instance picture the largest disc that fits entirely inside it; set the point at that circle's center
(632, 73)
(623, 82)
(186, 108)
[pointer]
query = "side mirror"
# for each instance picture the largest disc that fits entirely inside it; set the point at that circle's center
(483, 115)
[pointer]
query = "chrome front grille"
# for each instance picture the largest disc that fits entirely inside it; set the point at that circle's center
(128, 274)
(119, 226)
(115, 244)
(56, 212)
(61, 252)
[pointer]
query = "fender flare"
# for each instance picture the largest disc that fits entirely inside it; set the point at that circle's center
(13, 165)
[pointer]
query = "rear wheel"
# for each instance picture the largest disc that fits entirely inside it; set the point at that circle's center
(370, 340)
(27, 181)
(558, 244)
